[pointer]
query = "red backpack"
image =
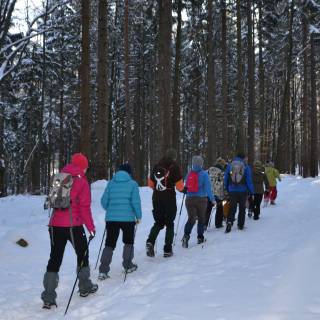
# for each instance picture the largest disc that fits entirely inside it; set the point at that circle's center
(192, 182)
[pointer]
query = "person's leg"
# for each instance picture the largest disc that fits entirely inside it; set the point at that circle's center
(159, 222)
(219, 214)
(273, 194)
(113, 230)
(241, 198)
(58, 240)
(232, 211)
(257, 204)
(192, 216)
(208, 213)
(128, 240)
(201, 206)
(82, 250)
(169, 217)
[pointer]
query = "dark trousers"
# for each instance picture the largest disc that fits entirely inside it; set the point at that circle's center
(113, 230)
(164, 213)
(235, 199)
(219, 213)
(255, 204)
(59, 237)
(196, 207)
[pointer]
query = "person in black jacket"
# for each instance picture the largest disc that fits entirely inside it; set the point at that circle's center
(164, 178)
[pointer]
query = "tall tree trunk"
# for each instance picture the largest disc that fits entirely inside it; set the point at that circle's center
(85, 111)
(262, 110)
(176, 85)
(225, 139)
(251, 85)
(211, 85)
(102, 92)
(313, 112)
(129, 156)
(164, 84)
(305, 94)
(240, 112)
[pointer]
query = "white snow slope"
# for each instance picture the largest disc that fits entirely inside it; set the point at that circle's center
(269, 271)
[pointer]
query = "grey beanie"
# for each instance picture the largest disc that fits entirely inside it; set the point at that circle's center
(171, 154)
(197, 161)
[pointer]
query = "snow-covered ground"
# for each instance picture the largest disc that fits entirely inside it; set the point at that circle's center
(269, 271)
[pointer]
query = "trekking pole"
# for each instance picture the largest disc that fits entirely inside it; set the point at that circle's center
(134, 236)
(104, 233)
(176, 233)
(74, 285)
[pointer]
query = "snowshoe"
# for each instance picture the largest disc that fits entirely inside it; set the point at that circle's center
(131, 269)
(103, 276)
(48, 305)
(185, 241)
(150, 249)
(168, 254)
(228, 228)
(93, 289)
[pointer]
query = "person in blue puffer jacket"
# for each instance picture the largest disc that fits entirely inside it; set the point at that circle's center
(198, 188)
(121, 200)
(238, 183)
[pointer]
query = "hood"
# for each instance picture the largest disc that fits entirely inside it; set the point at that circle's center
(121, 176)
(73, 170)
(196, 168)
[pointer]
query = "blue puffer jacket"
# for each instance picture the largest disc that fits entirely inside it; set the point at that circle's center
(121, 199)
(247, 186)
(205, 189)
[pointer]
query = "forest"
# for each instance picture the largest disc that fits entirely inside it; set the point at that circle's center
(124, 80)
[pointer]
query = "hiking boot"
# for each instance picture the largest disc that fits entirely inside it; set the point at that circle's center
(200, 240)
(150, 249)
(219, 226)
(93, 289)
(228, 228)
(48, 305)
(185, 240)
(272, 202)
(103, 276)
(240, 227)
(256, 218)
(131, 269)
(250, 214)
(168, 254)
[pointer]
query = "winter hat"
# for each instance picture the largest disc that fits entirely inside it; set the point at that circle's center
(197, 161)
(126, 167)
(80, 160)
(171, 154)
(221, 162)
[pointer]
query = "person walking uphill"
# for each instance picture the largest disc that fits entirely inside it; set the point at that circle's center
(272, 175)
(198, 190)
(238, 183)
(67, 224)
(261, 185)
(164, 177)
(121, 200)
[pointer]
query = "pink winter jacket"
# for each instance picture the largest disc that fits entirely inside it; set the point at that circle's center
(80, 202)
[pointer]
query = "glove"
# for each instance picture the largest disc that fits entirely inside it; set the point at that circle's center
(92, 235)
(214, 203)
(138, 221)
(251, 197)
(185, 190)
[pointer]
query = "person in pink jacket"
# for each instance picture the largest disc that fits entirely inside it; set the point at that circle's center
(67, 225)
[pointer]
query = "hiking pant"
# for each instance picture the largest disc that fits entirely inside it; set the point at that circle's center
(59, 237)
(235, 199)
(196, 208)
(255, 204)
(273, 193)
(113, 230)
(219, 213)
(164, 213)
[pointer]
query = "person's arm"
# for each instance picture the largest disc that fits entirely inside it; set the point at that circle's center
(85, 205)
(249, 182)
(136, 202)
(207, 186)
(266, 182)
(105, 198)
(277, 174)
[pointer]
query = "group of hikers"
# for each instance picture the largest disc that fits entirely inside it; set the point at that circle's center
(224, 186)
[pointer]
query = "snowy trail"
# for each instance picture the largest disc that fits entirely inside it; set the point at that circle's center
(269, 271)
